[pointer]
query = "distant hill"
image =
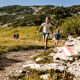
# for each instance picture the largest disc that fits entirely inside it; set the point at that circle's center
(31, 9)
(23, 9)
(15, 9)
(17, 15)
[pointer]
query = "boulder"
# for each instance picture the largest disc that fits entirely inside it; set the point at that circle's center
(38, 59)
(74, 69)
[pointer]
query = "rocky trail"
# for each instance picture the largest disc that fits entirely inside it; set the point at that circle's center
(14, 62)
(69, 64)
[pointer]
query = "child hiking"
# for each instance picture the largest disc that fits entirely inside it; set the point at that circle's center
(57, 37)
(46, 27)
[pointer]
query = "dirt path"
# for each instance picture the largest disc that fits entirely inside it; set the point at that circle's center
(12, 62)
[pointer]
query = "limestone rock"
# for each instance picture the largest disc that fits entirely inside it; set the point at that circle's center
(46, 76)
(38, 59)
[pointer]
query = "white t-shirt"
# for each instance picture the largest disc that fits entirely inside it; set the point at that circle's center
(46, 27)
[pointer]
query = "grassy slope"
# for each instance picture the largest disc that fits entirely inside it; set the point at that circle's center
(28, 39)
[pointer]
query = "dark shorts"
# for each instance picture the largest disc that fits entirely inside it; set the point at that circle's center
(45, 34)
(57, 38)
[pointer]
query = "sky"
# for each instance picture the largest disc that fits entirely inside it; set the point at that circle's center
(65, 3)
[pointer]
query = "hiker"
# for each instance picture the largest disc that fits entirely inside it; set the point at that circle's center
(46, 27)
(56, 38)
(16, 36)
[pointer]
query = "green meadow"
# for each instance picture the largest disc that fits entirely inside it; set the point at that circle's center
(28, 39)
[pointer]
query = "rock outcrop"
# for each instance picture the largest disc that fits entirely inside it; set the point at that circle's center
(70, 64)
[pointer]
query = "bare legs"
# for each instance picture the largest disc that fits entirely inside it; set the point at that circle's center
(56, 43)
(45, 39)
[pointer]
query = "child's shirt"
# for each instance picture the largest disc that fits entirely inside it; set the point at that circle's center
(46, 27)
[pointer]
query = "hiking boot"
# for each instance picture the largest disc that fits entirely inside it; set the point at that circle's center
(45, 48)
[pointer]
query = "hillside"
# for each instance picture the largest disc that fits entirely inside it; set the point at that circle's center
(24, 58)
(17, 15)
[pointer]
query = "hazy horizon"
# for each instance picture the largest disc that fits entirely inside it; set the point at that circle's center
(65, 3)
(38, 5)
